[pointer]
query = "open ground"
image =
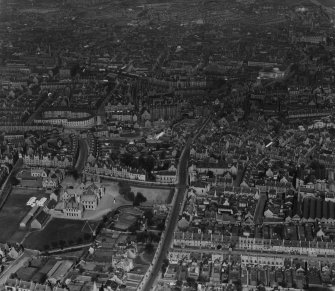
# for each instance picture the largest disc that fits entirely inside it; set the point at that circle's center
(69, 231)
(14, 210)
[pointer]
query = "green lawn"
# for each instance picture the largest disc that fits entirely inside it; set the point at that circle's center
(154, 195)
(70, 231)
(14, 210)
(11, 214)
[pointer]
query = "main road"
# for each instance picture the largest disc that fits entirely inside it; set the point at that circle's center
(329, 9)
(181, 192)
(82, 156)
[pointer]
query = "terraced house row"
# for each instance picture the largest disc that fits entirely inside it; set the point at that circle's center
(215, 241)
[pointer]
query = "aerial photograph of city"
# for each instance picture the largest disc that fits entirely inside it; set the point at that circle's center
(167, 145)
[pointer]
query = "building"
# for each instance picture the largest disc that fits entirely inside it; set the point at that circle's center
(166, 177)
(40, 220)
(274, 73)
(68, 119)
(91, 197)
(117, 171)
(275, 261)
(73, 209)
(28, 218)
(47, 161)
(20, 285)
(76, 201)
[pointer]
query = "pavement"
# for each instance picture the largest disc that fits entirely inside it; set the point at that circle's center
(180, 192)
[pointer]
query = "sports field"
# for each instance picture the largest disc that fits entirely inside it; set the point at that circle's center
(69, 231)
(13, 212)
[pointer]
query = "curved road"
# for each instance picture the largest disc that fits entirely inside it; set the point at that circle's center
(181, 191)
(83, 155)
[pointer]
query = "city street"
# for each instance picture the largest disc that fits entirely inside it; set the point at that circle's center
(181, 187)
(82, 157)
(18, 263)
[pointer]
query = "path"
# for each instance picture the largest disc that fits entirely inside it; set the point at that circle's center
(83, 155)
(16, 265)
(174, 213)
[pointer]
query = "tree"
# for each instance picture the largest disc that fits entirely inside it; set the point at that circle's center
(147, 162)
(142, 236)
(164, 266)
(54, 244)
(74, 70)
(99, 268)
(162, 155)
(46, 247)
(74, 173)
(166, 262)
(148, 214)
(191, 282)
(179, 283)
(123, 188)
(210, 174)
(81, 269)
(161, 225)
(62, 243)
(111, 269)
(127, 159)
(87, 237)
(14, 181)
(139, 199)
(154, 237)
(130, 196)
(149, 248)
(134, 227)
(125, 191)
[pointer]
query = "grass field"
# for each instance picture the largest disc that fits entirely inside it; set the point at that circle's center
(70, 231)
(110, 201)
(154, 195)
(13, 212)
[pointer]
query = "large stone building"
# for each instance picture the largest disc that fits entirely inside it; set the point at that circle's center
(84, 197)
(68, 119)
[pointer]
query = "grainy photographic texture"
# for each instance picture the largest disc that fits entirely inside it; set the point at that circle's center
(167, 145)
